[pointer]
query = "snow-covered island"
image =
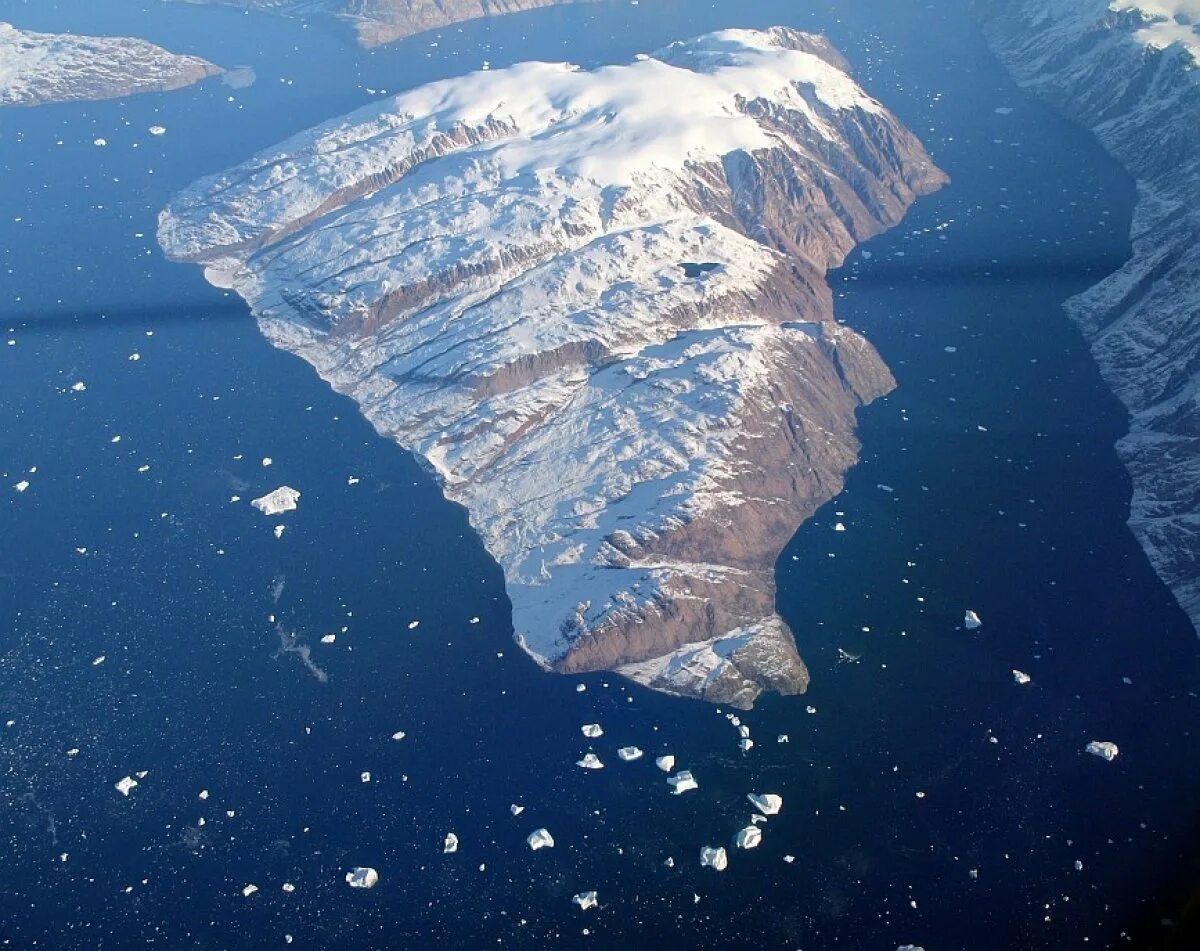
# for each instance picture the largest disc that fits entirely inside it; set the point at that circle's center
(594, 304)
(37, 68)
(375, 22)
(1129, 70)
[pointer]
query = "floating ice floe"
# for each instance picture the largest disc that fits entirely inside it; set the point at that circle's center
(78, 387)
(249, 890)
(592, 731)
(125, 786)
(203, 794)
(971, 620)
(96, 662)
(590, 761)
(665, 763)
(22, 485)
(1103, 749)
(279, 531)
(328, 638)
(580, 688)
(789, 859)
(1020, 677)
(682, 782)
(768, 804)
(365, 776)
(586, 900)
(100, 143)
(277, 502)
(267, 460)
(362, 877)
(515, 809)
(399, 735)
(450, 844)
(748, 838)
(629, 753)
(714, 858)
(288, 887)
(839, 527)
(745, 744)
(782, 738)
(540, 839)
(413, 625)
(158, 130)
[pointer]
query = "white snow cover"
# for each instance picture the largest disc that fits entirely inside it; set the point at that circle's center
(55, 67)
(1170, 21)
(493, 268)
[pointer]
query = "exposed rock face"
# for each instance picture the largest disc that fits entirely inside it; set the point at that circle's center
(594, 304)
(1130, 74)
(39, 68)
(376, 22)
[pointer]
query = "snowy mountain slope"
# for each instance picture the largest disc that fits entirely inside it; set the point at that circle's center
(598, 313)
(38, 68)
(1105, 65)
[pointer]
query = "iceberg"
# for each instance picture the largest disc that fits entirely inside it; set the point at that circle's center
(450, 844)
(585, 900)
(1103, 749)
(1020, 677)
(592, 731)
(540, 839)
(362, 877)
(665, 763)
(971, 620)
(682, 782)
(768, 804)
(277, 502)
(629, 753)
(590, 761)
(748, 838)
(125, 786)
(714, 858)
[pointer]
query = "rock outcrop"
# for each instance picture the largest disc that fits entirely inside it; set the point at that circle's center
(37, 68)
(376, 22)
(1128, 70)
(594, 303)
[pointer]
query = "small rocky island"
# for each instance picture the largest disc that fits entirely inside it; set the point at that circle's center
(38, 68)
(598, 313)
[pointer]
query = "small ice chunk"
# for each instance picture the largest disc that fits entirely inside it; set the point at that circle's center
(768, 804)
(590, 761)
(278, 501)
(362, 877)
(365, 776)
(1103, 749)
(971, 620)
(682, 782)
(78, 387)
(714, 858)
(100, 143)
(413, 625)
(782, 738)
(399, 735)
(249, 890)
(22, 485)
(203, 794)
(746, 744)
(629, 753)
(352, 480)
(267, 460)
(540, 839)
(748, 838)
(1020, 677)
(592, 731)
(789, 859)
(328, 638)
(585, 900)
(158, 130)
(450, 844)
(839, 527)
(96, 662)
(278, 531)
(515, 809)
(288, 887)
(580, 688)
(665, 763)
(125, 786)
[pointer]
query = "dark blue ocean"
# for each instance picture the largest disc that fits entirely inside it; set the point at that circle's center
(928, 799)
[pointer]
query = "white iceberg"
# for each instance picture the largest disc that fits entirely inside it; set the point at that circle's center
(592, 731)
(971, 620)
(629, 753)
(278, 531)
(158, 130)
(1103, 749)
(278, 501)
(515, 809)
(249, 890)
(748, 838)
(682, 782)
(586, 900)
(1020, 677)
(22, 485)
(746, 744)
(768, 804)
(450, 844)
(590, 761)
(540, 839)
(362, 877)
(714, 858)
(125, 786)
(665, 763)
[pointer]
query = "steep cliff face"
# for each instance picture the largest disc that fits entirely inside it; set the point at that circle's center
(376, 22)
(594, 304)
(38, 68)
(1128, 71)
